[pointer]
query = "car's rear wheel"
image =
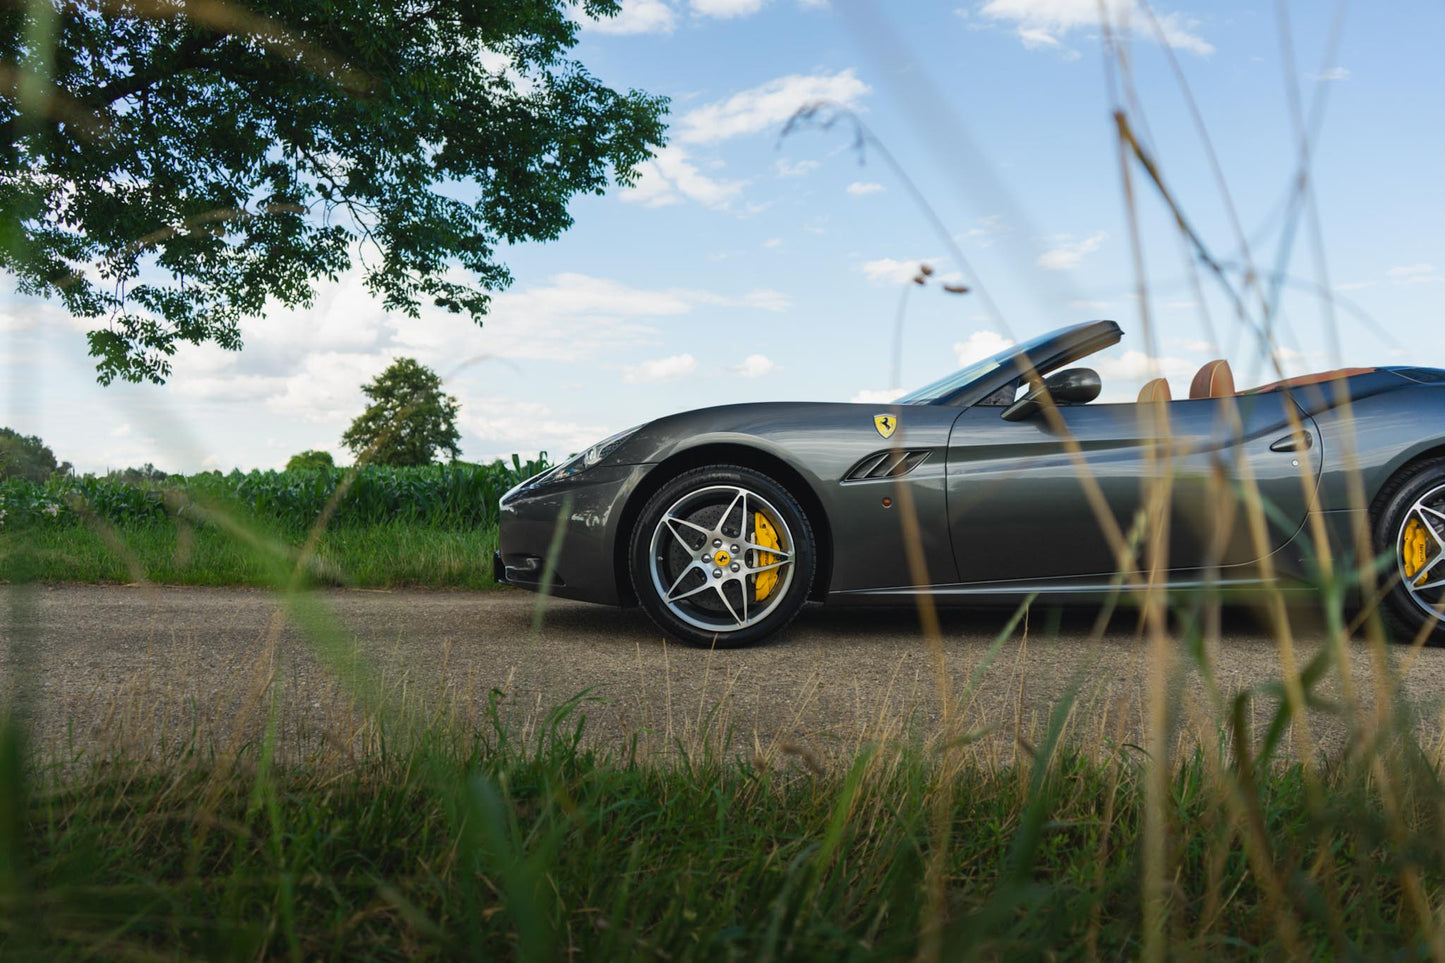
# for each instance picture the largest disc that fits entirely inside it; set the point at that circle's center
(1410, 528)
(722, 556)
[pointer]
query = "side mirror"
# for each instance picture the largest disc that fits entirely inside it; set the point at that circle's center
(1073, 386)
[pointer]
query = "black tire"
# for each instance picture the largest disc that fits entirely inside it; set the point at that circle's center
(1406, 610)
(709, 599)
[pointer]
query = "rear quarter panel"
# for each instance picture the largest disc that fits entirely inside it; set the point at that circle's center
(1386, 423)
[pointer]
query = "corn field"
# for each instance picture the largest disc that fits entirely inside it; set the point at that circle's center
(455, 496)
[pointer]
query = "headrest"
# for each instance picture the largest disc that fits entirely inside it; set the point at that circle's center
(1214, 380)
(1155, 391)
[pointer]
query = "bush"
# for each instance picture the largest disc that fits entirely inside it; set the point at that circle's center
(310, 460)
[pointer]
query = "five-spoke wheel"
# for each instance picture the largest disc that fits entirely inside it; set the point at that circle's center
(722, 556)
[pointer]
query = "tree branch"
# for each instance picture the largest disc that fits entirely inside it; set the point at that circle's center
(188, 56)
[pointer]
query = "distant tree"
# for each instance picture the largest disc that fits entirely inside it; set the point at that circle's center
(132, 476)
(410, 419)
(177, 167)
(311, 459)
(26, 456)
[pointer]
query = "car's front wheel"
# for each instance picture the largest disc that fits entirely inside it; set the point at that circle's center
(1410, 528)
(722, 556)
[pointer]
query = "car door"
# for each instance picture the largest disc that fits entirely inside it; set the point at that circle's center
(1018, 509)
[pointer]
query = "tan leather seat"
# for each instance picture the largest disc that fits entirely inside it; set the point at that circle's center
(1155, 391)
(1214, 380)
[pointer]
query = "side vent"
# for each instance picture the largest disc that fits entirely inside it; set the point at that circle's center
(890, 463)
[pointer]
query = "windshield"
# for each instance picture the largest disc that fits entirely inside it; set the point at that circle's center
(944, 387)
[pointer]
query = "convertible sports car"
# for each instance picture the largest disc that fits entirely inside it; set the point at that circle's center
(722, 522)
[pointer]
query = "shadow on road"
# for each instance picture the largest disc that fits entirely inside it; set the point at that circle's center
(629, 627)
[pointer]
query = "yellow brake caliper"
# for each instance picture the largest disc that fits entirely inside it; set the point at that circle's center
(1415, 547)
(763, 534)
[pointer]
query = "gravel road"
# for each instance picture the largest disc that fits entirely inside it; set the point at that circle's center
(104, 665)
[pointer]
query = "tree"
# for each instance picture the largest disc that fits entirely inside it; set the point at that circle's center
(173, 167)
(27, 457)
(409, 419)
(136, 476)
(310, 459)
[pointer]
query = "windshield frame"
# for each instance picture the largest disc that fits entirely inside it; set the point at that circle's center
(1039, 356)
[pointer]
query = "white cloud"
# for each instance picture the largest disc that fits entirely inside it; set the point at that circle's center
(16, 319)
(726, 9)
(1068, 253)
(980, 345)
(863, 188)
(767, 105)
(1045, 23)
(570, 318)
(876, 396)
(1138, 366)
(21, 314)
(773, 242)
(660, 369)
(983, 232)
(755, 366)
(671, 176)
(786, 168)
(1197, 346)
(1413, 274)
(762, 299)
(1086, 305)
(636, 16)
(1334, 73)
(1035, 38)
(225, 385)
(120, 431)
(889, 271)
(505, 425)
(328, 387)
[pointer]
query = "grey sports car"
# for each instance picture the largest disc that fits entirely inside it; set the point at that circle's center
(998, 481)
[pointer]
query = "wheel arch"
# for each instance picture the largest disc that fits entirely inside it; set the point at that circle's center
(1384, 489)
(745, 456)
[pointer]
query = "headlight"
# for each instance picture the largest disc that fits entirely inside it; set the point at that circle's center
(594, 454)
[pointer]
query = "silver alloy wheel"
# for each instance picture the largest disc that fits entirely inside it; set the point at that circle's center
(1428, 513)
(699, 555)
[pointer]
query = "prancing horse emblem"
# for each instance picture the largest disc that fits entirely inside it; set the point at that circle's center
(886, 424)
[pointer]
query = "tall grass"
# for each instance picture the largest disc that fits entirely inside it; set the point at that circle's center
(167, 553)
(448, 841)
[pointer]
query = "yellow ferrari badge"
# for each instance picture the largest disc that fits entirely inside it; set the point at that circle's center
(886, 424)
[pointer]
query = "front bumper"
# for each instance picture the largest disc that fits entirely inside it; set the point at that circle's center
(585, 511)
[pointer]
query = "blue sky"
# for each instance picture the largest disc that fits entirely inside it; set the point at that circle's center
(744, 267)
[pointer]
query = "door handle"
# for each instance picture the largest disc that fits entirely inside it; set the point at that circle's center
(1293, 442)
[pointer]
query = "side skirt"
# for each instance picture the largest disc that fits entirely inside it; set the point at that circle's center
(1061, 592)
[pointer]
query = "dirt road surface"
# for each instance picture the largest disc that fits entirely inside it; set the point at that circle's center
(98, 666)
